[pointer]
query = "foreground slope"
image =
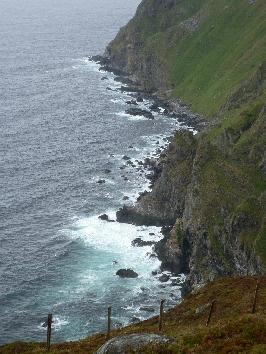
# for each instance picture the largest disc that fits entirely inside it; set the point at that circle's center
(232, 329)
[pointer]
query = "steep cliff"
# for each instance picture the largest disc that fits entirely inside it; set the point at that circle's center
(197, 50)
(211, 191)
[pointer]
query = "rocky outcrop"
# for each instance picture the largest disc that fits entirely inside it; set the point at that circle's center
(133, 342)
(127, 273)
(165, 203)
(203, 200)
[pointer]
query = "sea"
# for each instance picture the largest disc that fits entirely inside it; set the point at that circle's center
(65, 147)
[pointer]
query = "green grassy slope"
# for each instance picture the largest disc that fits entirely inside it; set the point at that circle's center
(212, 54)
(206, 62)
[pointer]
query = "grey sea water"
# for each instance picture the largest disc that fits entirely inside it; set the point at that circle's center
(60, 130)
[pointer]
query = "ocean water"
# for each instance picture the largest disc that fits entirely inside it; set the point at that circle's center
(60, 130)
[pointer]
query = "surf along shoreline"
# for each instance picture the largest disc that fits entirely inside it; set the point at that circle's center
(189, 122)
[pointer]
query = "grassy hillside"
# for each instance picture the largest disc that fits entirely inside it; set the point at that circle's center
(205, 48)
(232, 329)
(212, 55)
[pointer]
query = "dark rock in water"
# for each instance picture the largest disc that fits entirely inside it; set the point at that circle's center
(122, 167)
(164, 278)
(125, 197)
(126, 158)
(135, 319)
(104, 78)
(147, 309)
(142, 288)
(129, 215)
(153, 255)
(101, 181)
(125, 178)
(104, 217)
(139, 99)
(132, 102)
(127, 273)
(161, 286)
(109, 89)
(142, 194)
(134, 342)
(117, 324)
(151, 233)
(130, 147)
(45, 324)
(154, 107)
(140, 112)
(175, 282)
(107, 170)
(156, 272)
(138, 242)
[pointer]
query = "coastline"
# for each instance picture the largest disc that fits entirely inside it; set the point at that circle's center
(131, 214)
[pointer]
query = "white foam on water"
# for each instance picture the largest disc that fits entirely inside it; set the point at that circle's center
(58, 323)
(85, 62)
(96, 179)
(137, 118)
(113, 237)
(118, 100)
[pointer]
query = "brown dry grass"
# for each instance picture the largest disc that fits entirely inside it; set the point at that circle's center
(233, 329)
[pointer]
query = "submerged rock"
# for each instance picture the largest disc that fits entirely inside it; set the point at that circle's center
(140, 112)
(101, 181)
(147, 309)
(138, 242)
(164, 278)
(104, 217)
(135, 319)
(127, 273)
(131, 102)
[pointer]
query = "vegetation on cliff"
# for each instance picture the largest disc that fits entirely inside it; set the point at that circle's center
(232, 329)
(212, 55)
(198, 50)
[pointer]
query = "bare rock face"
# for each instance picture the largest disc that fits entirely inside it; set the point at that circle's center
(165, 203)
(134, 342)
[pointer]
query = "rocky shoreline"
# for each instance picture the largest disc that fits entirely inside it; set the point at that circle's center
(197, 214)
(143, 212)
(171, 108)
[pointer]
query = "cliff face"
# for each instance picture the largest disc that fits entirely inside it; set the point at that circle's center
(211, 190)
(197, 50)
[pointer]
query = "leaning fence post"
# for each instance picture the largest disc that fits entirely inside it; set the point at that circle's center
(255, 297)
(210, 313)
(161, 315)
(49, 330)
(109, 322)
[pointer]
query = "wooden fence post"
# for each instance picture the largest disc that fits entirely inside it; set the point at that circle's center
(210, 313)
(109, 322)
(49, 330)
(161, 315)
(255, 297)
